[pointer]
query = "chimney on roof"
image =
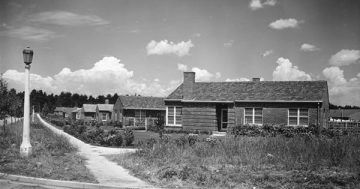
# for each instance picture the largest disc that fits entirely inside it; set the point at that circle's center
(256, 79)
(106, 101)
(188, 85)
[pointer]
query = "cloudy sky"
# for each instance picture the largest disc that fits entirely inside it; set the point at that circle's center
(143, 46)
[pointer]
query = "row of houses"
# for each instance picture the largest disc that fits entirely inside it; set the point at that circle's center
(130, 110)
(216, 106)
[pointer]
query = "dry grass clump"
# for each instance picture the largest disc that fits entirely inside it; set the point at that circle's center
(265, 162)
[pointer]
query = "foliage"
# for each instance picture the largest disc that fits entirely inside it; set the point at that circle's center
(301, 161)
(128, 137)
(52, 156)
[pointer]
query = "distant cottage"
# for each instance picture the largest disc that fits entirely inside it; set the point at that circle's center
(105, 111)
(89, 112)
(217, 106)
(138, 110)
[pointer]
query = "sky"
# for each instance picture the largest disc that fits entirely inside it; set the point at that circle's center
(143, 47)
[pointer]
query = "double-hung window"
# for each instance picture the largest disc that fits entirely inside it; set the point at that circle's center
(298, 116)
(253, 116)
(174, 116)
(104, 116)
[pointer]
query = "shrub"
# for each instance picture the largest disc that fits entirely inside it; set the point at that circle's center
(192, 139)
(115, 140)
(128, 137)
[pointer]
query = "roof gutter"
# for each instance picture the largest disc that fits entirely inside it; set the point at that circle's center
(292, 101)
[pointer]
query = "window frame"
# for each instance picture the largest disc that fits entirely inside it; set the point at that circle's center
(253, 115)
(298, 116)
(102, 116)
(174, 115)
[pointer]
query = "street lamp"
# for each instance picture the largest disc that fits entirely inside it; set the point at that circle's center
(25, 147)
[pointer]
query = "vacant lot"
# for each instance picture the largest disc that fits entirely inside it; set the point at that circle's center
(235, 162)
(53, 157)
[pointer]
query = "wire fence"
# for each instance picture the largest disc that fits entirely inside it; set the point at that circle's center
(349, 127)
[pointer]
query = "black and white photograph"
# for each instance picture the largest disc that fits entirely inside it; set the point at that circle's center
(248, 94)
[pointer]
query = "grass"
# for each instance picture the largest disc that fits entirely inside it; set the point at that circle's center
(247, 162)
(52, 156)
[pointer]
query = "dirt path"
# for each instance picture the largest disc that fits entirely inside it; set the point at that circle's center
(105, 171)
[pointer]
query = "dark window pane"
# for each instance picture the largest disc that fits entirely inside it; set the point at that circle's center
(248, 119)
(248, 111)
(258, 119)
(304, 112)
(303, 121)
(293, 112)
(292, 120)
(258, 111)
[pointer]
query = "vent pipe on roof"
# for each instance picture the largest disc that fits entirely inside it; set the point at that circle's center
(256, 79)
(188, 85)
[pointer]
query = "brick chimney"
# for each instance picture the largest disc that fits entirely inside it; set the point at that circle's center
(106, 101)
(188, 85)
(256, 79)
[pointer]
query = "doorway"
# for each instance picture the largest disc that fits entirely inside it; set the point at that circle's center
(222, 116)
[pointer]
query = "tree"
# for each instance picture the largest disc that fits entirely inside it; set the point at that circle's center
(45, 109)
(4, 100)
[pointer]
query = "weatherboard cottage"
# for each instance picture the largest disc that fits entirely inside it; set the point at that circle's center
(217, 106)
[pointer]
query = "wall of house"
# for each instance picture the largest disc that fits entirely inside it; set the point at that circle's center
(199, 116)
(276, 113)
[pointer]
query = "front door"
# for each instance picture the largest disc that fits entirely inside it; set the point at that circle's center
(224, 118)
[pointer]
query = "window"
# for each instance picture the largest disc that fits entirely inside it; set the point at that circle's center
(253, 116)
(104, 116)
(298, 116)
(174, 115)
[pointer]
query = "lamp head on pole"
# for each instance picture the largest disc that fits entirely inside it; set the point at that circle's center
(28, 55)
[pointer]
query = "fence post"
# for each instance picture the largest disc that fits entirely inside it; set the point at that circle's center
(145, 124)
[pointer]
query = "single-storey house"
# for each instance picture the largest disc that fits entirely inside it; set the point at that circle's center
(138, 110)
(217, 106)
(339, 115)
(76, 114)
(65, 112)
(105, 111)
(89, 112)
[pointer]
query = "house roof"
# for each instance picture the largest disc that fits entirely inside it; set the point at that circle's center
(69, 110)
(255, 91)
(89, 107)
(76, 109)
(59, 109)
(106, 107)
(141, 102)
(64, 109)
(343, 112)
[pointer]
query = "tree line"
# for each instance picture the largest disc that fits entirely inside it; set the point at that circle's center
(12, 101)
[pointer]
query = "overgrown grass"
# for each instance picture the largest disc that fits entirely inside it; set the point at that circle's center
(52, 155)
(262, 162)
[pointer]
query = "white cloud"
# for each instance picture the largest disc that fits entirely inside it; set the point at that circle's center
(285, 71)
(106, 76)
(285, 23)
(182, 67)
(267, 53)
(229, 44)
(203, 75)
(345, 57)
(29, 33)
(257, 4)
(217, 75)
(67, 19)
(341, 91)
(164, 47)
(36, 81)
(308, 47)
